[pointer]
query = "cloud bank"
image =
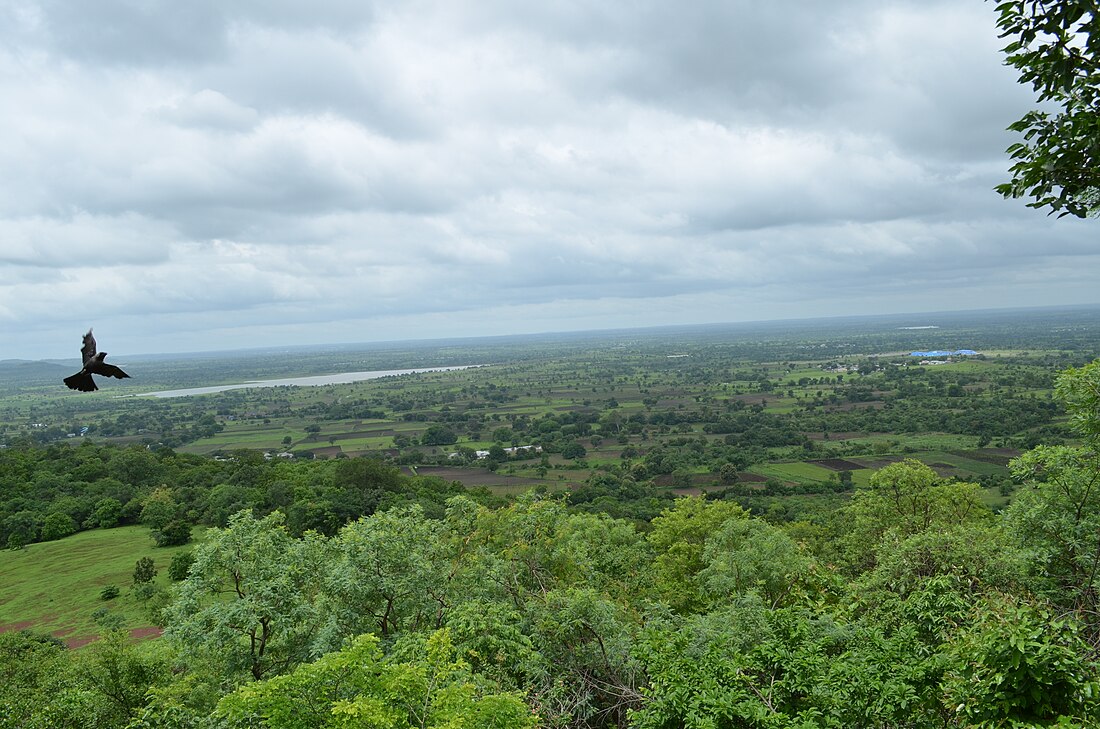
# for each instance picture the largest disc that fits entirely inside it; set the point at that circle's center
(194, 176)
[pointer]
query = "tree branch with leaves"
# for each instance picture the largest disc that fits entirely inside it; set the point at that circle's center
(1056, 48)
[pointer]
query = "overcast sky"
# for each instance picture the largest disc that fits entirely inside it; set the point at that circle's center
(208, 175)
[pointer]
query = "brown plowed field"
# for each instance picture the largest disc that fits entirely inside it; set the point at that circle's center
(881, 462)
(838, 464)
(364, 434)
(329, 452)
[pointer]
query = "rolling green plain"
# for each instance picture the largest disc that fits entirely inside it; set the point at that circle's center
(599, 530)
(788, 413)
(608, 391)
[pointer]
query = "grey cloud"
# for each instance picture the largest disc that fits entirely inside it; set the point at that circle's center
(160, 33)
(81, 241)
(347, 171)
(156, 33)
(211, 109)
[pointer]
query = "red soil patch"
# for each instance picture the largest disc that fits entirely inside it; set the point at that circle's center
(151, 631)
(74, 641)
(746, 477)
(80, 641)
(11, 627)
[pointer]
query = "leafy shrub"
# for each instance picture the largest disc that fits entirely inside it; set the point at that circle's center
(181, 562)
(173, 534)
(143, 591)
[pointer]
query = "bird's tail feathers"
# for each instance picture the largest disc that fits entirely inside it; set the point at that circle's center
(81, 381)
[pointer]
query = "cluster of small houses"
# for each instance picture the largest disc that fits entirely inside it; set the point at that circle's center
(480, 454)
(510, 451)
(932, 357)
(942, 356)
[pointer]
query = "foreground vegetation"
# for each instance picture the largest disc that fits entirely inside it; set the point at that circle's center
(945, 582)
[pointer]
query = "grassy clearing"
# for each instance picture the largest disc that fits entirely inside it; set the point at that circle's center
(54, 587)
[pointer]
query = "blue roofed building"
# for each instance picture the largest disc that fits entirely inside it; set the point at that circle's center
(943, 353)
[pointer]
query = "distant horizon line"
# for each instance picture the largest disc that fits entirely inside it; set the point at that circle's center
(564, 332)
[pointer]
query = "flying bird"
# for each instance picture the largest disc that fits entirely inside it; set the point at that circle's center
(93, 364)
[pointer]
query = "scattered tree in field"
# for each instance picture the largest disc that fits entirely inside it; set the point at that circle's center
(573, 450)
(144, 571)
(437, 435)
(22, 529)
(727, 474)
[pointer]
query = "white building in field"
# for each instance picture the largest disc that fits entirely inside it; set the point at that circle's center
(510, 451)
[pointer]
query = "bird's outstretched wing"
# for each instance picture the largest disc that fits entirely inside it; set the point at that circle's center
(109, 370)
(88, 350)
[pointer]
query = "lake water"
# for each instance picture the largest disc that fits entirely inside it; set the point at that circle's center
(340, 378)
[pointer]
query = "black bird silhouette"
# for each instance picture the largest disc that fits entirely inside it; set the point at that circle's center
(93, 364)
